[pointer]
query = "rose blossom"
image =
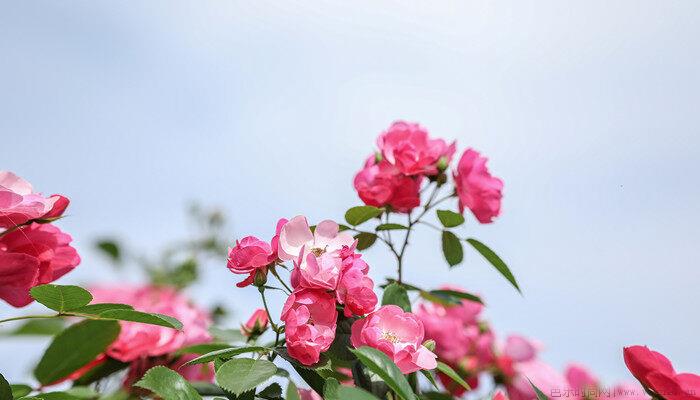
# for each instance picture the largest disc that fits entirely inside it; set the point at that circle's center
(33, 255)
(19, 203)
(580, 380)
(257, 323)
(477, 189)
(310, 321)
(546, 378)
(499, 396)
(355, 289)
(248, 256)
(398, 334)
(656, 372)
(408, 147)
(308, 394)
(381, 184)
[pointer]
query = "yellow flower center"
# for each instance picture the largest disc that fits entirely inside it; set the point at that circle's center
(390, 337)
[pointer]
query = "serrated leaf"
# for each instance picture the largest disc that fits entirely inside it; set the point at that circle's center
(390, 227)
(495, 260)
(382, 366)
(452, 248)
(365, 240)
(450, 219)
(242, 374)
(292, 392)
(357, 215)
(75, 347)
(61, 298)
(396, 294)
(226, 353)
(538, 392)
(168, 384)
(447, 370)
(145, 318)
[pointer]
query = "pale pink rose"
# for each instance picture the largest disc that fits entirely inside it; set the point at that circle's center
(408, 147)
(249, 256)
(308, 394)
(546, 378)
(33, 255)
(382, 184)
(629, 391)
(310, 321)
(520, 348)
(256, 324)
(138, 340)
(397, 334)
(580, 380)
(477, 189)
(274, 243)
(19, 204)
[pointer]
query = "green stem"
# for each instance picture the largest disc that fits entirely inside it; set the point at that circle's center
(30, 317)
(267, 310)
(274, 272)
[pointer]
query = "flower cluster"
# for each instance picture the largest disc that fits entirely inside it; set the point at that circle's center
(32, 251)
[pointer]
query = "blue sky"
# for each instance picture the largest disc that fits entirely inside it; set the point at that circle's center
(587, 110)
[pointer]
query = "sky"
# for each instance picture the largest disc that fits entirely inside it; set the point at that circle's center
(587, 110)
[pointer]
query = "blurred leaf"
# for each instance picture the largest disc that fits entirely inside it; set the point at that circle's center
(452, 248)
(330, 389)
(292, 392)
(146, 318)
(242, 374)
(455, 296)
(396, 294)
(61, 298)
(202, 348)
(75, 347)
(273, 391)
(365, 240)
(436, 396)
(39, 327)
(227, 335)
(495, 260)
(226, 353)
(110, 248)
(447, 370)
(429, 376)
(83, 392)
(98, 308)
(5, 390)
(538, 392)
(390, 227)
(357, 215)
(450, 219)
(101, 371)
(19, 391)
(167, 384)
(380, 364)
(353, 393)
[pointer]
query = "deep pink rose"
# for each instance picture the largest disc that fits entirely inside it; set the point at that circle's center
(308, 394)
(310, 321)
(249, 255)
(19, 203)
(477, 189)
(382, 184)
(33, 255)
(398, 334)
(256, 324)
(546, 378)
(656, 373)
(138, 340)
(408, 147)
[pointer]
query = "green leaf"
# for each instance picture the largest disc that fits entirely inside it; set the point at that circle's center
(390, 227)
(357, 215)
(447, 370)
(75, 347)
(108, 367)
(456, 296)
(61, 298)
(202, 348)
(227, 335)
(83, 392)
(272, 391)
(365, 240)
(20, 391)
(5, 389)
(495, 260)
(380, 364)
(242, 374)
(146, 318)
(429, 376)
(339, 352)
(40, 327)
(110, 248)
(450, 219)
(226, 353)
(452, 248)
(330, 389)
(292, 392)
(396, 294)
(96, 309)
(436, 396)
(538, 392)
(167, 384)
(353, 393)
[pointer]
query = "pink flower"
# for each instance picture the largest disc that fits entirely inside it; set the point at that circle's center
(382, 184)
(356, 292)
(476, 188)
(33, 255)
(310, 321)
(499, 396)
(138, 340)
(257, 323)
(629, 391)
(656, 373)
(249, 256)
(398, 334)
(520, 349)
(408, 147)
(19, 204)
(580, 380)
(546, 378)
(308, 394)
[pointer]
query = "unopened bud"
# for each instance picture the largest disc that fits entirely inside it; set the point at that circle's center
(429, 344)
(378, 157)
(443, 163)
(260, 277)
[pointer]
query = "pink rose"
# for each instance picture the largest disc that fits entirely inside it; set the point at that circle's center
(546, 378)
(138, 340)
(580, 380)
(520, 349)
(356, 292)
(382, 184)
(308, 394)
(248, 256)
(310, 321)
(398, 334)
(499, 396)
(19, 204)
(33, 255)
(629, 391)
(257, 323)
(408, 147)
(476, 188)
(656, 373)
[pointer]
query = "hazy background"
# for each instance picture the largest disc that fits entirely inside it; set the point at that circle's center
(587, 110)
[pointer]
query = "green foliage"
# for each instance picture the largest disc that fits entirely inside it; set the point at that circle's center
(75, 347)
(292, 392)
(110, 248)
(447, 370)
(538, 392)
(226, 353)
(98, 308)
(39, 327)
(19, 390)
(273, 391)
(357, 215)
(335, 391)
(339, 352)
(365, 240)
(450, 219)
(61, 298)
(452, 248)
(167, 384)
(454, 296)
(396, 294)
(390, 227)
(243, 374)
(5, 389)
(146, 318)
(382, 366)
(101, 371)
(495, 260)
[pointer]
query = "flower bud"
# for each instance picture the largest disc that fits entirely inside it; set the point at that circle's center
(443, 163)
(429, 344)
(260, 277)
(256, 325)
